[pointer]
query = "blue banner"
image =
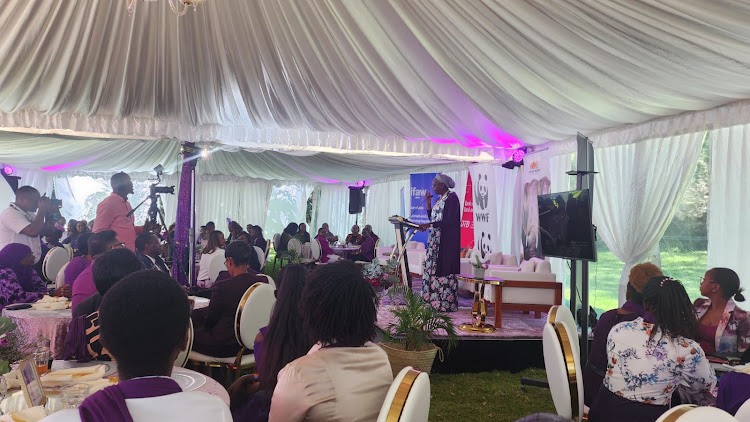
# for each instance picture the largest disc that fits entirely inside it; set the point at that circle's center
(420, 183)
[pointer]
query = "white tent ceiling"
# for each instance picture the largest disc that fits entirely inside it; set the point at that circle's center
(366, 75)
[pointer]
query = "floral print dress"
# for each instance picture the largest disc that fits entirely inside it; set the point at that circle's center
(439, 292)
(12, 292)
(648, 371)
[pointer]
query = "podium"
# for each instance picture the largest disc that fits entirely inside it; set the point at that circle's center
(405, 230)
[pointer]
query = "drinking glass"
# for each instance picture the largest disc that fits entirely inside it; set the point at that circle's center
(74, 394)
(41, 359)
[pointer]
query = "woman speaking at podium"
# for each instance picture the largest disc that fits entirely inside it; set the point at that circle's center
(439, 284)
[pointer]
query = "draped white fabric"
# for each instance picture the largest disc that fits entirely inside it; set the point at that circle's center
(332, 203)
(729, 201)
(359, 74)
(57, 154)
(384, 200)
(636, 191)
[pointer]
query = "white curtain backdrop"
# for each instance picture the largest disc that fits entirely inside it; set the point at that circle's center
(729, 201)
(382, 201)
(332, 207)
(636, 191)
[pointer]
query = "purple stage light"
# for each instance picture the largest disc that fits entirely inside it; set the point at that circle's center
(8, 170)
(518, 155)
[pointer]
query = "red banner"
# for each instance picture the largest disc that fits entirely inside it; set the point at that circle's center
(467, 218)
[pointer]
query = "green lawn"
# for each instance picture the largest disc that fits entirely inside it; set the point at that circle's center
(604, 275)
(492, 396)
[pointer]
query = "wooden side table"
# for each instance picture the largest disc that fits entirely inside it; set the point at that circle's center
(479, 308)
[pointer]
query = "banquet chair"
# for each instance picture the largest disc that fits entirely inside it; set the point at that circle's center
(182, 357)
(693, 413)
(277, 257)
(560, 313)
(408, 399)
(253, 313)
(53, 261)
(261, 256)
(315, 250)
(270, 280)
(60, 279)
(563, 366)
(743, 413)
(70, 250)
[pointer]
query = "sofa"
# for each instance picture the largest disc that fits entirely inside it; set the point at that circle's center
(415, 252)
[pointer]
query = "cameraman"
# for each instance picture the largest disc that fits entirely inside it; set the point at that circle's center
(111, 213)
(20, 224)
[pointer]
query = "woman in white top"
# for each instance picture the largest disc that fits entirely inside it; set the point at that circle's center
(214, 247)
(344, 377)
(647, 358)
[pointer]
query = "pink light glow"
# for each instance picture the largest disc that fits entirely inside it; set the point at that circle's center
(518, 155)
(8, 170)
(64, 166)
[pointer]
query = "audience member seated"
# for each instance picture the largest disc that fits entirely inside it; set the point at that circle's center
(256, 237)
(107, 270)
(19, 282)
(326, 253)
(344, 376)
(234, 230)
(205, 232)
(70, 230)
(330, 237)
(83, 285)
(214, 247)
(593, 373)
(214, 325)
(288, 234)
(647, 361)
(374, 236)
(144, 324)
(254, 259)
(149, 248)
(303, 235)
(724, 328)
(278, 344)
(83, 341)
(366, 250)
(354, 237)
(80, 261)
(74, 240)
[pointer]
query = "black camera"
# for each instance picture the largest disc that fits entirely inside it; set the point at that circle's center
(53, 203)
(161, 189)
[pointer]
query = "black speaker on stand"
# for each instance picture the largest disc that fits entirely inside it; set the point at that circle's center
(356, 199)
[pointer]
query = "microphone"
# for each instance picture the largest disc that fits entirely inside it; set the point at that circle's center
(418, 207)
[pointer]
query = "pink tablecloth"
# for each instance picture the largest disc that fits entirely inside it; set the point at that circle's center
(52, 324)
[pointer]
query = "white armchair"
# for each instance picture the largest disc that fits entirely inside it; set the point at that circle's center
(532, 287)
(497, 260)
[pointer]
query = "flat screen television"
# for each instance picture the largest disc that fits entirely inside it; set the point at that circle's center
(565, 229)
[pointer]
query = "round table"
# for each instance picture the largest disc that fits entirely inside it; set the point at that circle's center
(343, 251)
(14, 399)
(479, 308)
(52, 324)
(200, 302)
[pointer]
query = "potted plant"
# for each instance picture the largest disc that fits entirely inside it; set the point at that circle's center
(11, 344)
(409, 339)
(479, 267)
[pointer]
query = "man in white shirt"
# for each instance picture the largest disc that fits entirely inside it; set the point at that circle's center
(23, 220)
(143, 323)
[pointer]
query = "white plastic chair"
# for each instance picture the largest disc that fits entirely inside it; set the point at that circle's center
(315, 250)
(294, 245)
(53, 261)
(563, 366)
(216, 265)
(60, 279)
(270, 280)
(70, 250)
(253, 313)
(261, 256)
(693, 413)
(182, 357)
(408, 399)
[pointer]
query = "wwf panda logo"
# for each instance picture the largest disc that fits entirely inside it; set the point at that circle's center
(481, 192)
(485, 246)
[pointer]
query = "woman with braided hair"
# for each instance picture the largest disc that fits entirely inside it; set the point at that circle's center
(648, 358)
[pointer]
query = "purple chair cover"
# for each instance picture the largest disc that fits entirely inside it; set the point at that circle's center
(108, 405)
(75, 342)
(734, 391)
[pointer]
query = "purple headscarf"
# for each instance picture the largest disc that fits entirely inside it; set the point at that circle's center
(11, 256)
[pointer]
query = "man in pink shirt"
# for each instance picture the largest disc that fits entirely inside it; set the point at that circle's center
(111, 212)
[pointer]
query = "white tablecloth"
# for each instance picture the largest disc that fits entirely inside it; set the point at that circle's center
(52, 324)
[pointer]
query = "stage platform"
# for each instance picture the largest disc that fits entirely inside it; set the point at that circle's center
(515, 346)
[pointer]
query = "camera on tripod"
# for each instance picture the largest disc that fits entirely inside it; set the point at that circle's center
(53, 203)
(161, 189)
